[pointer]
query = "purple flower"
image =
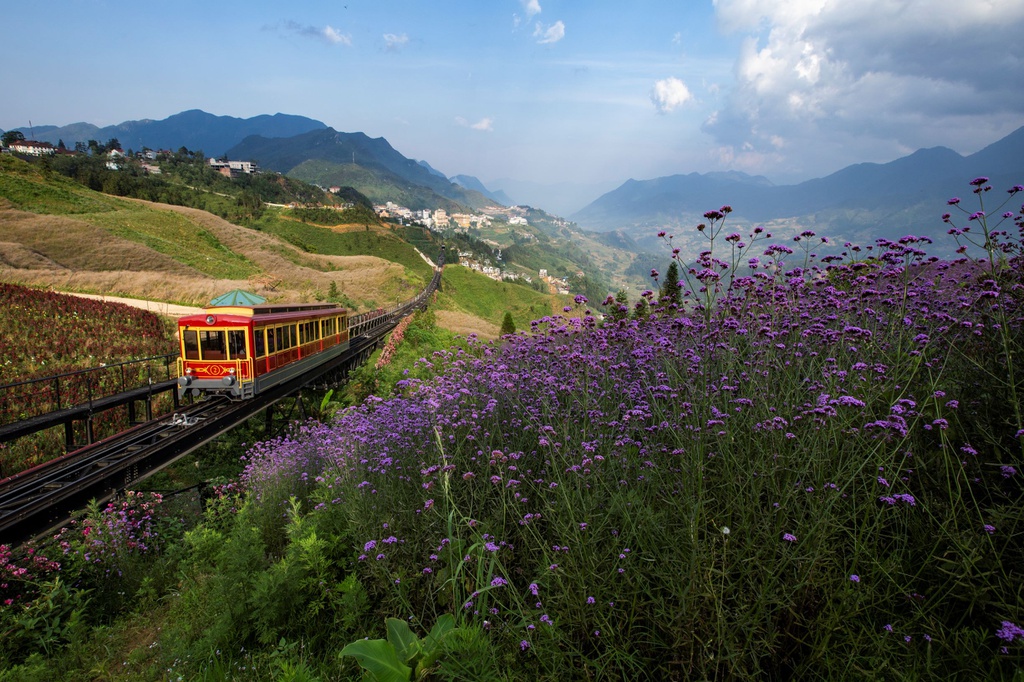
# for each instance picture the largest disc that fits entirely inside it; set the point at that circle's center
(524, 645)
(590, 600)
(789, 537)
(979, 181)
(1010, 632)
(499, 582)
(990, 529)
(854, 578)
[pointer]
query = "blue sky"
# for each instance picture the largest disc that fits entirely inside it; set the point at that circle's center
(546, 90)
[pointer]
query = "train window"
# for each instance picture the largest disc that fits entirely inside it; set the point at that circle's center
(315, 328)
(190, 340)
(282, 339)
(261, 344)
(236, 344)
(271, 342)
(211, 343)
(292, 336)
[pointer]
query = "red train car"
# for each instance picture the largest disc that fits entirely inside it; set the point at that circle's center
(241, 350)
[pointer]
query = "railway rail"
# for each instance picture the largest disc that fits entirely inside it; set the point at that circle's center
(40, 499)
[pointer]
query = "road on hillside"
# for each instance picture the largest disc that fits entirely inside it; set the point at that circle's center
(158, 307)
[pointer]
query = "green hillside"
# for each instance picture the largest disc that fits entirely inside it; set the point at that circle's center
(26, 187)
(378, 185)
(58, 229)
(29, 188)
(359, 240)
(468, 291)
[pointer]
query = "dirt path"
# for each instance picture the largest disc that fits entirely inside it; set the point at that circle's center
(158, 307)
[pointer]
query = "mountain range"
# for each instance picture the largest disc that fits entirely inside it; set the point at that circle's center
(857, 203)
(327, 157)
(905, 196)
(194, 129)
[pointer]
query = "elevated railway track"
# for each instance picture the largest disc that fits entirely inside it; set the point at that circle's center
(40, 499)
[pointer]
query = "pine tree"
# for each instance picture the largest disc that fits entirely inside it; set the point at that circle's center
(670, 288)
(620, 309)
(508, 326)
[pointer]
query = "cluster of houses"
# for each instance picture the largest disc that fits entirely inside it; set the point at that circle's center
(233, 169)
(33, 148)
(436, 220)
(439, 220)
(226, 167)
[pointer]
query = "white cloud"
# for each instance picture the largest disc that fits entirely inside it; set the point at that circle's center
(393, 43)
(551, 34)
(871, 74)
(485, 124)
(327, 34)
(669, 94)
(332, 36)
(531, 7)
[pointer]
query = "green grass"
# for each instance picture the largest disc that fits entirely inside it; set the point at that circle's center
(174, 235)
(322, 240)
(169, 233)
(469, 291)
(28, 189)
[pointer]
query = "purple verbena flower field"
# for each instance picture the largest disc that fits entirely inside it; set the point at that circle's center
(807, 467)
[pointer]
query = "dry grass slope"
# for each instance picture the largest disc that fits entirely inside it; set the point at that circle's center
(75, 253)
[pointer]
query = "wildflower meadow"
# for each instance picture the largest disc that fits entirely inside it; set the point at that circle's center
(78, 346)
(798, 463)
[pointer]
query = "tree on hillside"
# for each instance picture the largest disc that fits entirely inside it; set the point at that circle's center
(12, 136)
(670, 288)
(508, 325)
(620, 309)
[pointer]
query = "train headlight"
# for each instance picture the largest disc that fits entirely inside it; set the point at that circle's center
(184, 381)
(229, 380)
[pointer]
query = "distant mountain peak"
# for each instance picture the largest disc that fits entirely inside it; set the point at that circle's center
(432, 169)
(194, 128)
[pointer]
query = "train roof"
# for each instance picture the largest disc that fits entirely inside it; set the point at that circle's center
(275, 308)
(242, 314)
